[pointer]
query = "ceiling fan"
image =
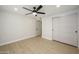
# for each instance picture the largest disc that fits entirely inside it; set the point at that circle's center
(35, 10)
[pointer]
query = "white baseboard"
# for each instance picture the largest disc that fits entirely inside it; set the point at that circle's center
(46, 38)
(17, 40)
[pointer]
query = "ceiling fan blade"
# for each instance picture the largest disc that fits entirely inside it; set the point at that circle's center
(39, 7)
(41, 13)
(26, 8)
(28, 13)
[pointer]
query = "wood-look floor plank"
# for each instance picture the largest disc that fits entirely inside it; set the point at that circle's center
(38, 45)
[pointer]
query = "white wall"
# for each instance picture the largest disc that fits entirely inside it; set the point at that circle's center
(14, 27)
(47, 28)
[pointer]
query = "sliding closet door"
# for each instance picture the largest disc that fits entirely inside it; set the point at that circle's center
(65, 29)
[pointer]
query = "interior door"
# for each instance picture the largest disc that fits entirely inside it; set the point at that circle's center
(65, 29)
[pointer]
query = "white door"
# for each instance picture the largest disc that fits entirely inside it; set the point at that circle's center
(65, 29)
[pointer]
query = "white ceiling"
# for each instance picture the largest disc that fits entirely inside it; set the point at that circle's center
(48, 9)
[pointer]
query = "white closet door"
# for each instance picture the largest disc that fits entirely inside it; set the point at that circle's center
(65, 29)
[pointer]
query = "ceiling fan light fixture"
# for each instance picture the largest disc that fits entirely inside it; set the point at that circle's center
(57, 6)
(16, 9)
(34, 13)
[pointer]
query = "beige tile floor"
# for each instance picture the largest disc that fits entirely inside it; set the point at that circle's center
(38, 45)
